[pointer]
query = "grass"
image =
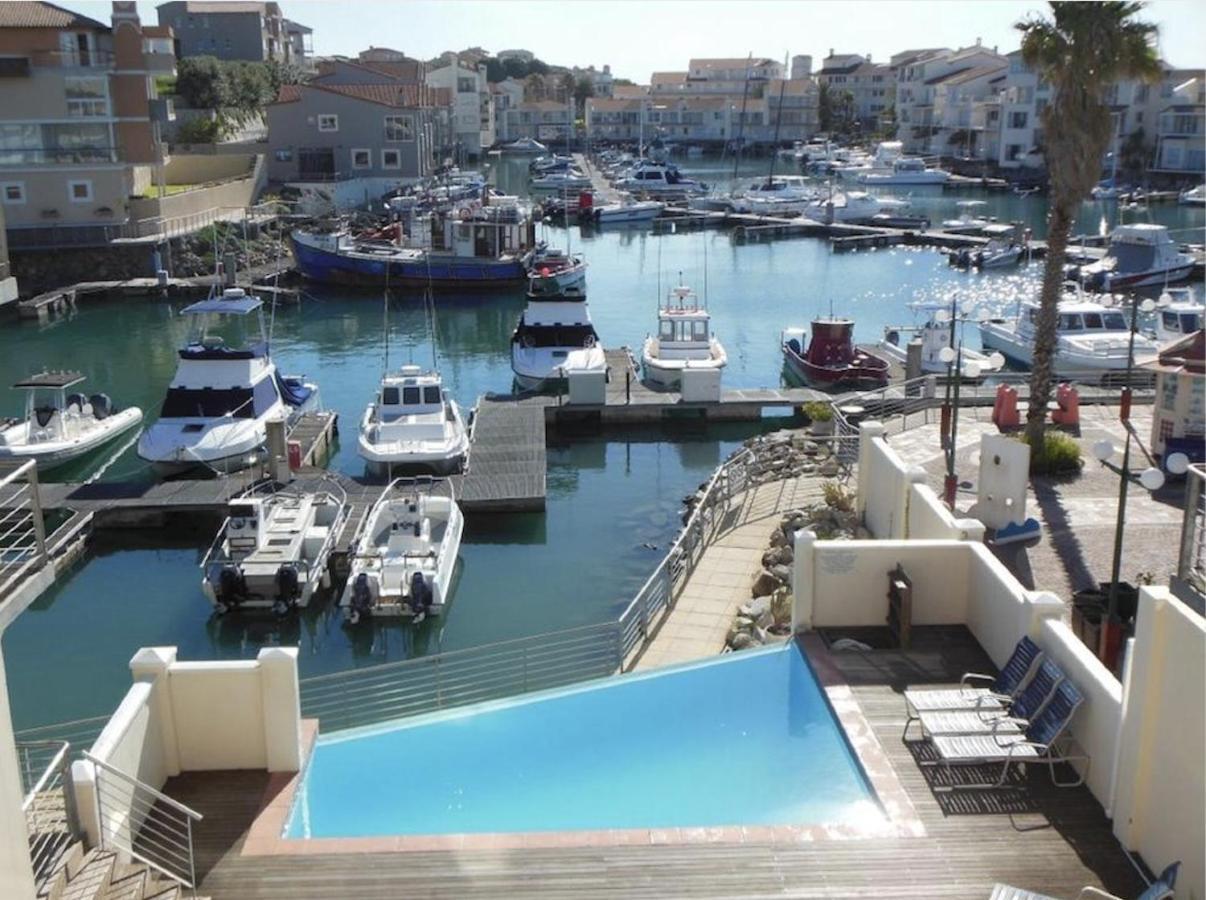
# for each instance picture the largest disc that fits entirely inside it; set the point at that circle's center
(1060, 455)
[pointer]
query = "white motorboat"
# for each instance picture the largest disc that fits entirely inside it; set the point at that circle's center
(843, 206)
(59, 427)
(684, 340)
(273, 548)
(934, 332)
(1092, 337)
(555, 273)
(556, 162)
(223, 395)
(970, 217)
(906, 170)
(554, 335)
(1195, 196)
(569, 180)
(784, 194)
(413, 423)
(628, 211)
(659, 180)
(856, 165)
(1180, 314)
(1000, 251)
(524, 145)
(405, 554)
(1141, 254)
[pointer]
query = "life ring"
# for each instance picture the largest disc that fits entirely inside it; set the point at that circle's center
(466, 213)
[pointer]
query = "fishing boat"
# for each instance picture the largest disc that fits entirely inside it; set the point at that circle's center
(1000, 251)
(934, 332)
(60, 427)
(684, 340)
(1180, 314)
(524, 146)
(627, 211)
(405, 554)
(970, 218)
(413, 423)
(553, 336)
(225, 391)
(476, 246)
(555, 273)
(1141, 254)
(658, 179)
(1092, 338)
(272, 550)
(832, 361)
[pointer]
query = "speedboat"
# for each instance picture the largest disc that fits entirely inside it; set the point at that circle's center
(1179, 316)
(542, 165)
(413, 423)
(782, 195)
(524, 145)
(628, 211)
(1195, 196)
(843, 206)
(405, 554)
(832, 361)
(1001, 250)
(935, 335)
(59, 427)
(659, 179)
(1091, 337)
(272, 550)
(684, 340)
(906, 170)
(1139, 255)
(856, 165)
(554, 335)
(225, 391)
(969, 218)
(555, 273)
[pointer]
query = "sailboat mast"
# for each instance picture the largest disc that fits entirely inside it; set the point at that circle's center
(745, 92)
(778, 121)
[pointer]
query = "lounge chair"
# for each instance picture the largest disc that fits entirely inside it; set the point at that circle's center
(1000, 689)
(1038, 744)
(1160, 889)
(1028, 703)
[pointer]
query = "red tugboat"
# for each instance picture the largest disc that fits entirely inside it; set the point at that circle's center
(832, 362)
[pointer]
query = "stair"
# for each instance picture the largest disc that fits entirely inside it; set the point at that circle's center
(81, 874)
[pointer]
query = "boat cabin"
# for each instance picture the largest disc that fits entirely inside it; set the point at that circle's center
(682, 323)
(1182, 316)
(1079, 318)
(411, 392)
(222, 327)
(485, 232)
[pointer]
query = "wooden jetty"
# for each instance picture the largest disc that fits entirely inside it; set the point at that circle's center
(507, 462)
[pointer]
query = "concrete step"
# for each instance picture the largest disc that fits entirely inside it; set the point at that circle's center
(71, 859)
(163, 890)
(128, 882)
(91, 879)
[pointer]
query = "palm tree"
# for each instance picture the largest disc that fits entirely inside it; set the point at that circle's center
(1080, 51)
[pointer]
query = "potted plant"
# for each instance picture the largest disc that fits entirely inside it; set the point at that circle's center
(820, 417)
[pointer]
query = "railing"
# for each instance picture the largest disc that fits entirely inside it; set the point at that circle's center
(22, 529)
(24, 156)
(78, 733)
(73, 59)
(459, 677)
(145, 823)
(1191, 561)
(48, 803)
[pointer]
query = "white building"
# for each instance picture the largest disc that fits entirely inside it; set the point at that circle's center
(917, 81)
(548, 121)
(472, 106)
(872, 87)
(963, 105)
(601, 80)
(507, 95)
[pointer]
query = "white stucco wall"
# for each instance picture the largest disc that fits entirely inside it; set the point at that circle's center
(16, 873)
(927, 518)
(220, 715)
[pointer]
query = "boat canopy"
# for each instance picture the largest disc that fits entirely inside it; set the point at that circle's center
(240, 305)
(53, 380)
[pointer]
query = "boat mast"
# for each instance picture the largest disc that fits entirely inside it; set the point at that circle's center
(745, 92)
(770, 179)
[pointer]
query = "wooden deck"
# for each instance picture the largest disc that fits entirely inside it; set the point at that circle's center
(507, 461)
(1041, 838)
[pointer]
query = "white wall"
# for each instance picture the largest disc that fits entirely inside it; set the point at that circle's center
(1160, 795)
(223, 727)
(927, 518)
(16, 873)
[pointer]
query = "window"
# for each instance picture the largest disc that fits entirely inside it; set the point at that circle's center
(1017, 120)
(410, 396)
(1168, 392)
(362, 159)
(12, 193)
(79, 191)
(431, 395)
(328, 122)
(466, 85)
(1013, 152)
(86, 97)
(391, 159)
(284, 155)
(399, 128)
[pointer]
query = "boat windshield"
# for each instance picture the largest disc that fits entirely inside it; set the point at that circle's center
(1133, 257)
(210, 403)
(410, 396)
(683, 330)
(558, 336)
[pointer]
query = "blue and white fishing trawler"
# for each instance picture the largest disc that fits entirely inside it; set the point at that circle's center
(476, 245)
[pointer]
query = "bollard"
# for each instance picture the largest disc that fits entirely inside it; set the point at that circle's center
(1067, 412)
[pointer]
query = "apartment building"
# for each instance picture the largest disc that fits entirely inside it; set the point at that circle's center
(921, 78)
(77, 132)
(545, 120)
(962, 104)
(601, 80)
(507, 95)
(472, 106)
(1180, 126)
(872, 86)
(234, 29)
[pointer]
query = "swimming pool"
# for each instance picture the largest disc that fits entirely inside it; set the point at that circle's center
(744, 739)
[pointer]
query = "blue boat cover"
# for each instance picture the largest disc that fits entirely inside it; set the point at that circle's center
(293, 391)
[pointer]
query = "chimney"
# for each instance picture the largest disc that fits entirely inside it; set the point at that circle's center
(977, 42)
(831, 51)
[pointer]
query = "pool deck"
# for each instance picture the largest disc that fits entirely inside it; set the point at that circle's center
(698, 623)
(1041, 838)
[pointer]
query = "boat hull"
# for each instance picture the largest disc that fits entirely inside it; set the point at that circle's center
(844, 378)
(1066, 364)
(316, 264)
(51, 454)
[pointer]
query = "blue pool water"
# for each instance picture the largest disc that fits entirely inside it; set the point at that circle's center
(746, 739)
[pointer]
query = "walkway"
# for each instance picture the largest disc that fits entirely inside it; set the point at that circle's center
(699, 621)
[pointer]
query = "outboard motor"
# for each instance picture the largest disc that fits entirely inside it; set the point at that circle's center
(361, 604)
(288, 589)
(420, 597)
(231, 590)
(102, 406)
(76, 400)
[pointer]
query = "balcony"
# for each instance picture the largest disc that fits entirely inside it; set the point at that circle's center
(73, 59)
(58, 156)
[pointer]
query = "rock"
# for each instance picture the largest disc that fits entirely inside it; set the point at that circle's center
(781, 574)
(764, 584)
(763, 623)
(778, 538)
(743, 623)
(862, 534)
(777, 556)
(759, 635)
(756, 607)
(829, 467)
(743, 641)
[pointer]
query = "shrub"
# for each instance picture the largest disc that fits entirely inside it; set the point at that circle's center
(837, 496)
(199, 131)
(818, 411)
(1060, 455)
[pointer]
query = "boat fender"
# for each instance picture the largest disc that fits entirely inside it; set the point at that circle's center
(288, 589)
(232, 588)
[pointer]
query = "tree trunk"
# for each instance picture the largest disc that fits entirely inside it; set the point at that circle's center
(1059, 223)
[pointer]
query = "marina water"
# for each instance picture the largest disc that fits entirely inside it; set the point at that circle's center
(613, 502)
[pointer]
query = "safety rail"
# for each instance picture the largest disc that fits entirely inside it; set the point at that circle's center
(78, 732)
(145, 823)
(48, 803)
(365, 696)
(22, 528)
(1191, 561)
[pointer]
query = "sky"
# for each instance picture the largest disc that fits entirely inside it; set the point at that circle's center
(638, 37)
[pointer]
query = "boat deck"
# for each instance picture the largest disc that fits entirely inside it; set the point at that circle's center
(1041, 838)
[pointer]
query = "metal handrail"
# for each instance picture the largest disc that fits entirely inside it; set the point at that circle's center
(48, 806)
(55, 764)
(162, 836)
(23, 544)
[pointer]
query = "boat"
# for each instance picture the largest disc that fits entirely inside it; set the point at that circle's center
(852, 166)
(969, 218)
(272, 550)
(784, 194)
(906, 170)
(1141, 254)
(627, 211)
(555, 162)
(226, 389)
(1000, 251)
(555, 273)
(1180, 314)
(60, 427)
(524, 146)
(477, 246)
(1195, 196)
(658, 179)
(553, 336)
(684, 340)
(843, 206)
(567, 180)
(413, 423)
(832, 361)
(934, 332)
(405, 553)
(1092, 337)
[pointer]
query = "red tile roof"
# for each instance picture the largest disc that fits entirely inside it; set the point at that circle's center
(396, 95)
(20, 14)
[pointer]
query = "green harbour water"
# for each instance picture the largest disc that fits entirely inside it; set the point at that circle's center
(613, 503)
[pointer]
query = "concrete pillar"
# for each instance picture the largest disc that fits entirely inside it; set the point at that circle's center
(802, 580)
(152, 664)
(867, 432)
(278, 450)
(913, 359)
(87, 809)
(16, 870)
(282, 708)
